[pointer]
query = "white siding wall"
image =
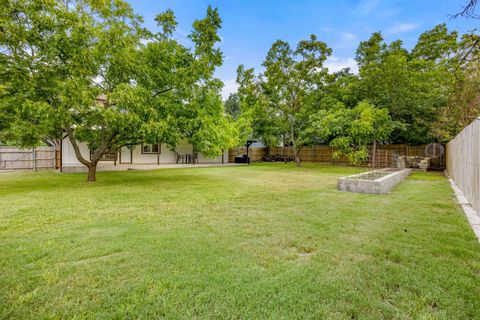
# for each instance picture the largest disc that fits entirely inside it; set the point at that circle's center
(166, 155)
(68, 154)
(125, 155)
(202, 159)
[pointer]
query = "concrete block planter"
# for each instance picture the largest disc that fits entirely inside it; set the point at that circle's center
(376, 181)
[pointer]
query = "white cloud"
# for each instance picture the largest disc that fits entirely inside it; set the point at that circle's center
(335, 64)
(345, 40)
(366, 6)
(349, 36)
(230, 86)
(402, 27)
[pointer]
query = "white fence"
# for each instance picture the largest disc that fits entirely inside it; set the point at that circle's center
(13, 158)
(463, 162)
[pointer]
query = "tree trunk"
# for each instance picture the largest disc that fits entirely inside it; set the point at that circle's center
(298, 161)
(92, 164)
(92, 172)
(374, 152)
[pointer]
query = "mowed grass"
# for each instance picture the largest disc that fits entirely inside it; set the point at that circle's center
(267, 241)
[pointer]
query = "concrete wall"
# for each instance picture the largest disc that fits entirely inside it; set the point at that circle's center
(361, 184)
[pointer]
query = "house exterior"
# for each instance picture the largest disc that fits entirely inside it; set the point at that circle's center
(147, 154)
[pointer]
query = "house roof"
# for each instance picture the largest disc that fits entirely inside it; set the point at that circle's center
(102, 98)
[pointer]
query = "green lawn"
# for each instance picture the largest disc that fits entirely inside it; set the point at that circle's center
(264, 241)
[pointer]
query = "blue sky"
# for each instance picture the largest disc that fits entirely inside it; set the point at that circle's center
(250, 27)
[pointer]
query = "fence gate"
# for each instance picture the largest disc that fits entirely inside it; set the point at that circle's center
(38, 158)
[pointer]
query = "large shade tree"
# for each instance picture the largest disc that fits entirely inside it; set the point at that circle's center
(352, 130)
(256, 110)
(412, 85)
(187, 95)
(288, 89)
(87, 69)
(463, 104)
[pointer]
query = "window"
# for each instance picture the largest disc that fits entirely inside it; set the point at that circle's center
(150, 148)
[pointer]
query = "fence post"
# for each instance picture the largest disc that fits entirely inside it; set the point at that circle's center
(34, 160)
(374, 152)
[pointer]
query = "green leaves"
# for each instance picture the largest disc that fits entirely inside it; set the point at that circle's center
(290, 88)
(436, 44)
(232, 106)
(90, 68)
(411, 85)
(167, 22)
(352, 130)
(205, 37)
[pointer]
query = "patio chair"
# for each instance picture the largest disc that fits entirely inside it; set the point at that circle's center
(195, 158)
(180, 157)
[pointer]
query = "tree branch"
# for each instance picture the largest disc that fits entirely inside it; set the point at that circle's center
(470, 50)
(78, 154)
(468, 11)
(104, 147)
(161, 91)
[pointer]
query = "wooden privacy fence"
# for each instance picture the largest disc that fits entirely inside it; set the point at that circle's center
(256, 154)
(463, 162)
(385, 154)
(13, 158)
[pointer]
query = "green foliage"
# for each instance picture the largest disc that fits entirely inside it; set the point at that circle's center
(463, 104)
(232, 106)
(167, 21)
(59, 57)
(252, 103)
(429, 92)
(351, 131)
(436, 45)
(414, 85)
(282, 99)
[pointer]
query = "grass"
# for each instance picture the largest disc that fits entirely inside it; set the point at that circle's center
(264, 241)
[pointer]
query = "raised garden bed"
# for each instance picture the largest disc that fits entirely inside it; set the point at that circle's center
(376, 181)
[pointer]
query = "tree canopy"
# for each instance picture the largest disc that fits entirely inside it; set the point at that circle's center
(428, 93)
(282, 99)
(88, 69)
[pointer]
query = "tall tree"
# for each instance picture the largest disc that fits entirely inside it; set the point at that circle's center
(292, 76)
(411, 85)
(463, 104)
(262, 118)
(83, 68)
(351, 131)
(187, 103)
